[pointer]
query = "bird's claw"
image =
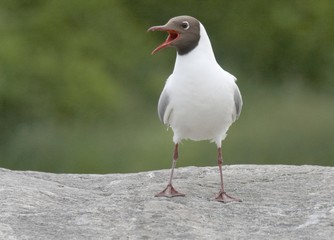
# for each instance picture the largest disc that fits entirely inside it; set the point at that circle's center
(169, 191)
(224, 197)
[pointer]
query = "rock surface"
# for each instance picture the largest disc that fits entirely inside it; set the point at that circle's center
(279, 202)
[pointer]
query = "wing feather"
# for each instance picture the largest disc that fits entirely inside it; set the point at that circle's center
(238, 103)
(162, 106)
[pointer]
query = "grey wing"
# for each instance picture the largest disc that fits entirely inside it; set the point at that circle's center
(162, 106)
(238, 104)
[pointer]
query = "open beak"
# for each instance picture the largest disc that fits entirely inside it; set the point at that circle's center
(172, 35)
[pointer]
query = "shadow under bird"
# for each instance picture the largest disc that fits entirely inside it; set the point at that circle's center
(200, 100)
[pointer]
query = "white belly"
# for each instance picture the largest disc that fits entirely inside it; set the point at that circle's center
(201, 110)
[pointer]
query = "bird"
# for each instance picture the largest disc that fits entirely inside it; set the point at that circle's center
(200, 100)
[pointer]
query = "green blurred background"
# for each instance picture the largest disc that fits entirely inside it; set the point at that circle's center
(79, 88)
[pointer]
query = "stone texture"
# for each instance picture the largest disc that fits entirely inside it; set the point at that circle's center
(279, 202)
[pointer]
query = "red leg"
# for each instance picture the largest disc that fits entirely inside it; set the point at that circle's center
(222, 195)
(170, 191)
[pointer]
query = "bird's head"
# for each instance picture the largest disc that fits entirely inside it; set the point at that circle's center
(183, 34)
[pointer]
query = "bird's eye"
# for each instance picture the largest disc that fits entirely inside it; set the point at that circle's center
(185, 25)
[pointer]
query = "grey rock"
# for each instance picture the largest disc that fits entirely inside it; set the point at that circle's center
(279, 202)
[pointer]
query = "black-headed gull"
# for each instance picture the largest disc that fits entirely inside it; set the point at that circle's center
(200, 100)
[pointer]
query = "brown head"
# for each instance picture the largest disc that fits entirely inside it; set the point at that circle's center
(183, 34)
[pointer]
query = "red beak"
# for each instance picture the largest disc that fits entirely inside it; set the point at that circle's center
(172, 35)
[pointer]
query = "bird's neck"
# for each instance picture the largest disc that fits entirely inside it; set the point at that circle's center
(200, 55)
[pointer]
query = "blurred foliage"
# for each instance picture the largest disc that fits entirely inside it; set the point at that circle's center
(78, 87)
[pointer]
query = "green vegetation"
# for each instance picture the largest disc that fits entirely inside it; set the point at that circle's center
(79, 88)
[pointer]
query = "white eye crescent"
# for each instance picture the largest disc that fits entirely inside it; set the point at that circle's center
(185, 25)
